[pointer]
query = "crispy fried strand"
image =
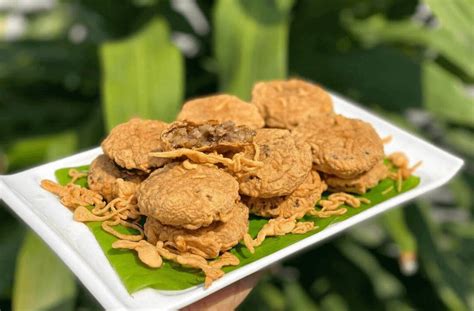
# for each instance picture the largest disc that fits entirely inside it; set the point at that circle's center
(237, 163)
(146, 252)
(193, 261)
(75, 175)
(277, 227)
(226, 259)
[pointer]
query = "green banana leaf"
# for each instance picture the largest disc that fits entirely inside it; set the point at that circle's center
(142, 76)
(441, 89)
(377, 29)
(136, 276)
(250, 43)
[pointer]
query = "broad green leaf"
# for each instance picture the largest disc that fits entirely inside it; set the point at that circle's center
(462, 140)
(456, 16)
(385, 284)
(142, 76)
(33, 150)
(445, 96)
(136, 276)
(42, 281)
(452, 286)
(296, 297)
(377, 29)
(250, 43)
(396, 227)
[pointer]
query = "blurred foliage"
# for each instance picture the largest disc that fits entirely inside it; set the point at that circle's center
(409, 60)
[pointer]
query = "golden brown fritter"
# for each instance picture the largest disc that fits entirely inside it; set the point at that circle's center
(207, 136)
(285, 104)
(221, 108)
(129, 144)
(189, 198)
(359, 184)
(208, 241)
(103, 176)
(296, 204)
(286, 164)
(341, 146)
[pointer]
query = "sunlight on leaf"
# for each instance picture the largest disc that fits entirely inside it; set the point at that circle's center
(42, 281)
(250, 43)
(142, 76)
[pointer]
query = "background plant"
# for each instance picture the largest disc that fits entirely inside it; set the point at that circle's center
(70, 70)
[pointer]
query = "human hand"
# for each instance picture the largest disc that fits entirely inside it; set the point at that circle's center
(228, 298)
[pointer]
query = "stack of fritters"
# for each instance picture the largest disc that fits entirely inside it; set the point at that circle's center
(347, 152)
(196, 179)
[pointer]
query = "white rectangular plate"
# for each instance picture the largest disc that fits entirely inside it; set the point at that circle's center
(78, 248)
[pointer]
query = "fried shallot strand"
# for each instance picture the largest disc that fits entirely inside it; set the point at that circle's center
(401, 162)
(193, 261)
(75, 175)
(277, 227)
(146, 252)
(237, 163)
(331, 206)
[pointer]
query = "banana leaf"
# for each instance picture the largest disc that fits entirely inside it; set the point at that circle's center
(143, 76)
(250, 42)
(136, 276)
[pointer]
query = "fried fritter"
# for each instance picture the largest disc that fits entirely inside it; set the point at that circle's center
(221, 108)
(103, 176)
(210, 135)
(359, 184)
(129, 144)
(207, 242)
(286, 164)
(296, 204)
(189, 198)
(285, 104)
(341, 146)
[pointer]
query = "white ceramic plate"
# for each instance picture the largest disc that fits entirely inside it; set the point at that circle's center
(77, 247)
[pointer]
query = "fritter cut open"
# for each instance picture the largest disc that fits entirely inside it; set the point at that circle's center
(207, 136)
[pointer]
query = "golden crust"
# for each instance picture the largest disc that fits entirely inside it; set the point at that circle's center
(361, 183)
(189, 198)
(221, 108)
(285, 104)
(286, 164)
(296, 204)
(341, 146)
(103, 176)
(207, 242)
(129, 144)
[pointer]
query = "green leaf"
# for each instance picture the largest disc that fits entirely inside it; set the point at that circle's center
(456, 16)
(41, 279)
(136, 276)
(385, 284)
(34, 150)
(250, 42)
(396, 227)
(377, 29)
(142, 76)
(452, 285)
(445, 96)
